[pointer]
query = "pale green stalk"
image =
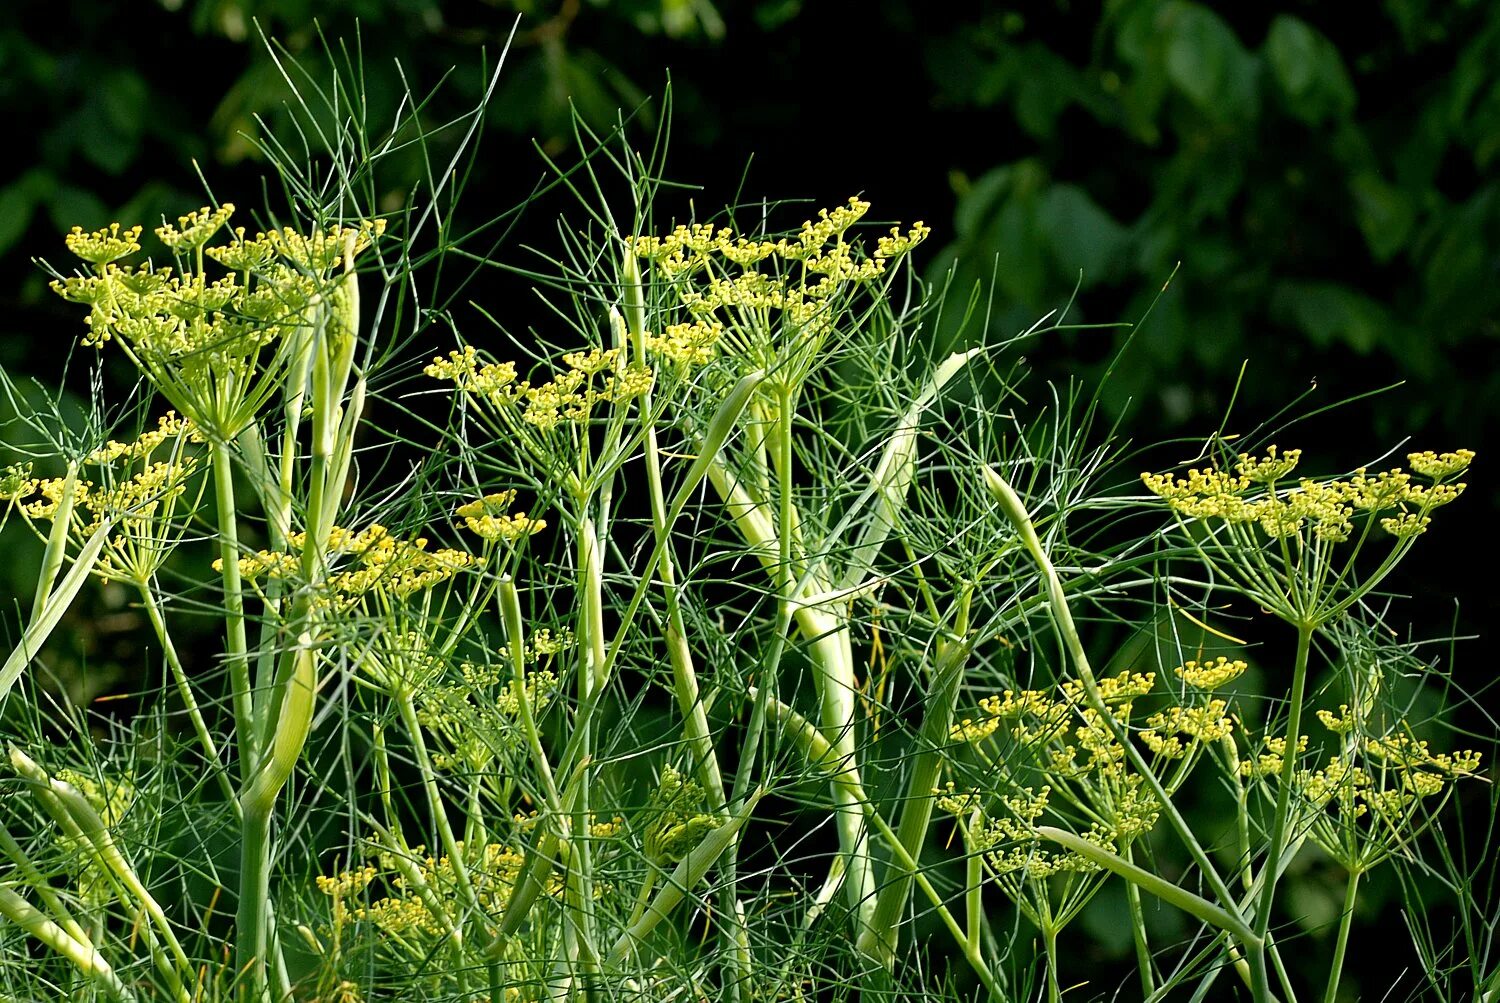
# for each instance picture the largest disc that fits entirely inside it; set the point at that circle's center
(828, 646)
(41, 885)
(407, 708)
(58, 600)
(592, 656)
(245, 731)
(79, 821)
(79, 952)
(57, 541)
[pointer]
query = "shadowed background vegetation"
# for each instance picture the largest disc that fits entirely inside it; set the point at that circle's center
(1322, 185)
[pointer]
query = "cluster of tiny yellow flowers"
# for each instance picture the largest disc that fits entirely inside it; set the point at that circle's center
(376, 563)
(132, 491)
(745, 278)
(1329, 508)
(591, 378)
(487, 518)
(195, 229)
(1211, 675)
(1365, 803)
(194, 320)
(405, 914)
(1059, 738)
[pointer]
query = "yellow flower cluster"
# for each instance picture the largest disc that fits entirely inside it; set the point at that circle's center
(487, 519)
(1328, 507)
(567, 399)
(168, 426)
(138, 500)
(1382, 779)
(405, 914)
(377, 563)
(194, 320)
(690, 344)
(103, 246)
(195, 229)
(1211, 675)
(746, 279)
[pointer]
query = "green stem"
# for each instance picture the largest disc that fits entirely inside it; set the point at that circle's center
(973, 888)
(1272, 869)
(435, 807)
(245, 732)
(1341, 945)
(82, 955)
(251, 937)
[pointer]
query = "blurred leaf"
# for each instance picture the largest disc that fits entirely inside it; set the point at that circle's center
(69, 207)
(1330, 314)
(1082, 235)
(1207, 63)
(1309, 71)
(1384, 212)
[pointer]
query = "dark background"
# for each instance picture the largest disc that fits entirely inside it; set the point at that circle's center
(1324, 175)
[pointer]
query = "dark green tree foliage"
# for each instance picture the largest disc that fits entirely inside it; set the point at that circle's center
(1326, 182)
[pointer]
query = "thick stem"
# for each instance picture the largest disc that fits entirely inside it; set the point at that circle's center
(1272, 870)
(251, 934)
(237, 649)
(1341, 945)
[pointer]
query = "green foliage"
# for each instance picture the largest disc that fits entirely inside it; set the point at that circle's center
(1329, 196)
